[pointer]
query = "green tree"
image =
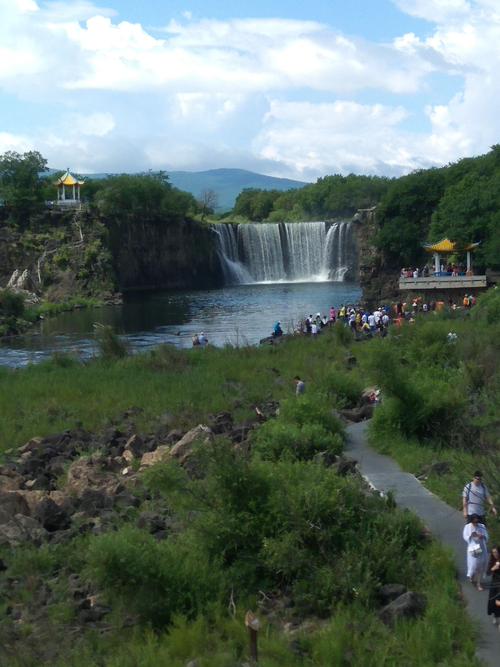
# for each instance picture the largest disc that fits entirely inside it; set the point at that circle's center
(129, 199)
(21, 185)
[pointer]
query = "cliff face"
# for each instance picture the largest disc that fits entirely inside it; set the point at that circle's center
(377, 282)
(165, 256)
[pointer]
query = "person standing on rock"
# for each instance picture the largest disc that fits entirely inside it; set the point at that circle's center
(474, 498)
(494, 590)
(476, 537)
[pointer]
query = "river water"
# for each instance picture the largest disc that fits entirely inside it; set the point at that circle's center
(236, 315)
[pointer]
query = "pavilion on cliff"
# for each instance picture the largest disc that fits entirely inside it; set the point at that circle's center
(447, 247)
(68, 190)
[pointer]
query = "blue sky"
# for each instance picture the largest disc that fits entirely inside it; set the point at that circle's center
(297, 89)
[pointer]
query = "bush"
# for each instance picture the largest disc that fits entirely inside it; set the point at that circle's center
(11, 304)
(306, 410)
(344, 388)
(276, 439)
(154, 579)
(109, 344)
(488, 307)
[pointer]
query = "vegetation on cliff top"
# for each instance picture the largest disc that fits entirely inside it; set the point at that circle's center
(461, 201)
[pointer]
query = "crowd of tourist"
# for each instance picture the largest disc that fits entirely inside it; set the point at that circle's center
(427, 271)
(481, 562)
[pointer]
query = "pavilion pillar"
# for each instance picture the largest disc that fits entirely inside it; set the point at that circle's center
(469, 261)
(437, 264)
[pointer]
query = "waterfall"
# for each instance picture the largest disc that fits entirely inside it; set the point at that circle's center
(285, 252)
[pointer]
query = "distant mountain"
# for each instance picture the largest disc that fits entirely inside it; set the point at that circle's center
(226, 183)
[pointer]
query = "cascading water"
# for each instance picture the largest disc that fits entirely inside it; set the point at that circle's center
(285, 252)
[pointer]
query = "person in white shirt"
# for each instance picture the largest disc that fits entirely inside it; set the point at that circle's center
(372, 321)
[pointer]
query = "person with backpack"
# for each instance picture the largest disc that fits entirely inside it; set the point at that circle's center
(474, 498)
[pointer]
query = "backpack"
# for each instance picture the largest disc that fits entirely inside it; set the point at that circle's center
(469, 489)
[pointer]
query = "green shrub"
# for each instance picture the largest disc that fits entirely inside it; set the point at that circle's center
(306, 410)
(155, 579)
(11, 304)
(344, 388)
(109, 344)
(488, 307)
(276, 439)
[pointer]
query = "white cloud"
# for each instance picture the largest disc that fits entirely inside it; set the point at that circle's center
(222, 90)
(436, 11)
(93, 125)
(13, 142)
(338, 137)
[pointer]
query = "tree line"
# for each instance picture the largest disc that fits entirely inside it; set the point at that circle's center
(460, 201)
(27, 187)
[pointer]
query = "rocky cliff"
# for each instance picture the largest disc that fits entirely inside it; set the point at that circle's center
(377, 281)
(165, 256)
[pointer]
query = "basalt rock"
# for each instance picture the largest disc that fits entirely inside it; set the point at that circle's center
(12, 503)
(358, 414)
(52, 516)
(408, 605)
(21, 529)
(391, 592)
(345, 466)
(182, 449)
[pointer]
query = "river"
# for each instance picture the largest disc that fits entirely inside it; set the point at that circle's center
(236, 315)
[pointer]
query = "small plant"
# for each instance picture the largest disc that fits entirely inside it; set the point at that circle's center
(109, 344)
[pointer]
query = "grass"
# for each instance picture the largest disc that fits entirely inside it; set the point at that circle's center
(63, 393)
(273, 521)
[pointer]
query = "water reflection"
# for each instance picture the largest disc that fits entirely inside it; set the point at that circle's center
(235, 315)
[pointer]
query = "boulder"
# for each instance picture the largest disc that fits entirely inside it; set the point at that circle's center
(199, 434)
(408, 605)
(12, 503)
(20, 530)
(10, 480)
(240, 432)
(345, 466)
(157, 456)
(221, 423)
(51, 516)
(390, 592)
(85, 473)
(135, 446)
(358, 414)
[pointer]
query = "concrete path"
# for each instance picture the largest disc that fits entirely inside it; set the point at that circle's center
(384, 474)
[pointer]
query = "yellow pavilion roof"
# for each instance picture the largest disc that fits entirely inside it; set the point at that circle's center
(68, 179)
(447, 246)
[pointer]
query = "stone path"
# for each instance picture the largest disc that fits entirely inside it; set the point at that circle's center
(384, 474)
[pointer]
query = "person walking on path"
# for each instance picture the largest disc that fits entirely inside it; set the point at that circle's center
(476, 537)
(474, 497)
(494, 591)
(300, 386)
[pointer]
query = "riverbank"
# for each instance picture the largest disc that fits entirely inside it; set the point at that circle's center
(255, 511)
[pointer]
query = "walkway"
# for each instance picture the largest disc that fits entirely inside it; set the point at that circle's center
(384, 474)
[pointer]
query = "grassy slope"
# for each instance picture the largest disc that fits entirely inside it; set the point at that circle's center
(189, 386)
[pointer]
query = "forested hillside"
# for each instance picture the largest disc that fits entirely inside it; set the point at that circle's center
(461, 200)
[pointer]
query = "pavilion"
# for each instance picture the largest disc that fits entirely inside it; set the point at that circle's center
(68, 190)
(440, 282)
(447, 247)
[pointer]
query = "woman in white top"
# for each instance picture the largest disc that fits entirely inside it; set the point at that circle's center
(476, 537)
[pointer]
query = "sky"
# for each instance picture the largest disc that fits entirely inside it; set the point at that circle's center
(298, 89)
